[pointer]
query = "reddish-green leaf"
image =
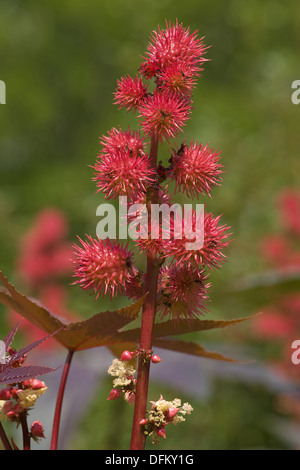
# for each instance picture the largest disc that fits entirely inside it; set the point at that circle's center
(170, 328)
(190, 348)
(19, 374)
(100, 330)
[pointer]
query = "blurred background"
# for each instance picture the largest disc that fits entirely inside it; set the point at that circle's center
(60, 62)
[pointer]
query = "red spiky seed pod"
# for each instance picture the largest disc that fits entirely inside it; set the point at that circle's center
(119, 140)
(210, 252)
(130, 93)
(175, 44)
(184, 292)
(164, 114)
(102, 266)
(123, 173)
(196, 169)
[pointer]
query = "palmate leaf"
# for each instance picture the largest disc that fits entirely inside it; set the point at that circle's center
(10, 336)
(11, 370)
(100, 330)
(21, 352)
(19, 374)
(185, 347)
(171, 328)
(103, 329)
(188, 347)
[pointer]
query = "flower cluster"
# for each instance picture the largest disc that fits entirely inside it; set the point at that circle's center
(164, 412)
(173, 60)
(124, 373)
(17, 398)
(173, 63)
(124, 381)
(180, 250)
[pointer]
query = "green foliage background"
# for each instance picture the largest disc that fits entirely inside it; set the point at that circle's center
(60, 62)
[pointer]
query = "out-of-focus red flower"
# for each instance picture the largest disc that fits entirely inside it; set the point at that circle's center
(45, 256)
(275, 249)
(44, 251)
(289, 206)
(273, 325)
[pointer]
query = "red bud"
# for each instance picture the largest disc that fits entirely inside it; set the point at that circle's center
(12, 416)
(172, 411)
(130, 397)
(35, 384)
(37, 429)
(155, 359)
(126, 356)
(5, 394)
(114, 394)
(161, 433)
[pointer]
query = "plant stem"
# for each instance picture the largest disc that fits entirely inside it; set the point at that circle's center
(26, 435)
(148, 317)
(60, 396)
(4, 439)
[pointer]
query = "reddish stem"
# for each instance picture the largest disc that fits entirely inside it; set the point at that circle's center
(4, 439)
(59, 401)
(26, 435)
(148, 317)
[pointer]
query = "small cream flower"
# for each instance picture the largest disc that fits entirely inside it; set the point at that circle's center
(28, 397)
(3, 416)
(122, 371)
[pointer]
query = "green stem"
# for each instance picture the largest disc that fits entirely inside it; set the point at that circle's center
(148, 317)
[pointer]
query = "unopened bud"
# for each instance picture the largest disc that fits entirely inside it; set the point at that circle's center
(130, 397)
(114, 394)
(161, 433)
(143, 421)
(35, 384)
(5, 394)
(172, 411)
(11, 351)
(37, 429)
(12, 416)
(126, 356)
(155, 359)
